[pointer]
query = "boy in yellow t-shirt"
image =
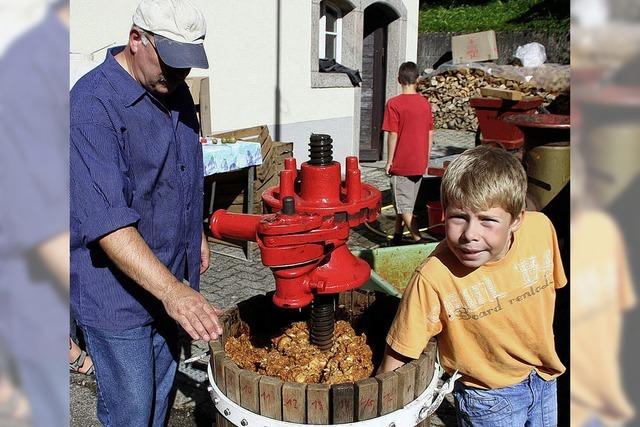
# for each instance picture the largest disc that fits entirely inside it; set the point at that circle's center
(488, 293)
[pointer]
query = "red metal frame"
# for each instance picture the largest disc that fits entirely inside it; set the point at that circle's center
(491, 112)
(305, 244)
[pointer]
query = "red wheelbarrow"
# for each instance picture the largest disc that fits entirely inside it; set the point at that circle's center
(491, 127)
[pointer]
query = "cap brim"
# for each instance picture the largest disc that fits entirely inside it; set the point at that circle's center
(181, 55)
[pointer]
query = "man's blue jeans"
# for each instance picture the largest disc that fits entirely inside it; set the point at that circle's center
(135, 370)
(532, 402)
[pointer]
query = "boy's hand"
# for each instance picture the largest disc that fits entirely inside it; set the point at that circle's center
(391, 361)
(387, 169)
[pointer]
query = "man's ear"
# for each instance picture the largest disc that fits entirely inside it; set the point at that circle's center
(517, 221)
(135, 40)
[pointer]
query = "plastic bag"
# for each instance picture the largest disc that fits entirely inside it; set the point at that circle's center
(531, 54)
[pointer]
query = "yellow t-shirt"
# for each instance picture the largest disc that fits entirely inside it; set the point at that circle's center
(494, 323)
(601, 291)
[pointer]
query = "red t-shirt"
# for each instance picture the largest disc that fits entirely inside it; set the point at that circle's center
(409, 115)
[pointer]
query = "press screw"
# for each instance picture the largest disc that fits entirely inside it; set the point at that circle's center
(244, 423)
(227, 412)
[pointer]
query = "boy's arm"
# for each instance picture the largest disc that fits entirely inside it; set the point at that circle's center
(417, 320)
(392, 360)
(429, 144)
(392, 140)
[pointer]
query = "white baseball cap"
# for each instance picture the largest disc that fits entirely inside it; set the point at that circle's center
(179, 28)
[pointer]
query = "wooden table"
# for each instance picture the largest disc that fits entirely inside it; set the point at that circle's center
(221, 158)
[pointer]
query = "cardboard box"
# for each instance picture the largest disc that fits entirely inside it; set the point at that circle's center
(474, 47)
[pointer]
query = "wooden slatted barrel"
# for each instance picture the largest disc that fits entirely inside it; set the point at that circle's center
(311, 404)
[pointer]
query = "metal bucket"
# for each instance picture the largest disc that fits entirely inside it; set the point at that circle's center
(548, 172)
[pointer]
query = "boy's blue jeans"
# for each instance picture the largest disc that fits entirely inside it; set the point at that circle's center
(532, 402)
(135, 370)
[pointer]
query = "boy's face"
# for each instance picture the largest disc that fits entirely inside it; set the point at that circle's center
(478, 238)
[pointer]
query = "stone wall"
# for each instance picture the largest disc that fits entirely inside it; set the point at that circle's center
(434, 48)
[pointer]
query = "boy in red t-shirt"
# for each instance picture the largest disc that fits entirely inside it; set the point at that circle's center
(409, 123)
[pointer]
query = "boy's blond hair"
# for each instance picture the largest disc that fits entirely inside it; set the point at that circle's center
(482, 178)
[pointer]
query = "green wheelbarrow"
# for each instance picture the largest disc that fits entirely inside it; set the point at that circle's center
(392, 268)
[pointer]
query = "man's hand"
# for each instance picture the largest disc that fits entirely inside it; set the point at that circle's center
(204, 254)
(193, 312)
(387, 169)
(131, 254)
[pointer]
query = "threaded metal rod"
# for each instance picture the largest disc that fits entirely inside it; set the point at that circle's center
(320, 149)
(288, 206)
(322, 321)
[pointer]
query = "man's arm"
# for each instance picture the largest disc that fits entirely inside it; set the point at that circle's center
(392, 360)
(131, 254)
(204, 254)
(54, 254)
(392, 140)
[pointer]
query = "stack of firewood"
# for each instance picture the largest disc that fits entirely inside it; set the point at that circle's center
(449, 93)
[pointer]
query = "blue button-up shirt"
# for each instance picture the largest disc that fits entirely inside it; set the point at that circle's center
(133, 162)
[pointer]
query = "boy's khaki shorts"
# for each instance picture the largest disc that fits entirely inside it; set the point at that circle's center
(404, 190)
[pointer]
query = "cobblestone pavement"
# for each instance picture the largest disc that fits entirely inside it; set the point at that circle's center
(231, 279)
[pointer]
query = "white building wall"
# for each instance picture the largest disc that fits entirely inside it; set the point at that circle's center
(412, 29)
(241, 47)
(302, 109)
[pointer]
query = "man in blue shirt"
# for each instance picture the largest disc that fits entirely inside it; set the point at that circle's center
(136, 212)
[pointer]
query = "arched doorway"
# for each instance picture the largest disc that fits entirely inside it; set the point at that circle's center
(377, 18)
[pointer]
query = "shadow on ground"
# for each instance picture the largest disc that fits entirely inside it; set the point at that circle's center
(203, 413)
